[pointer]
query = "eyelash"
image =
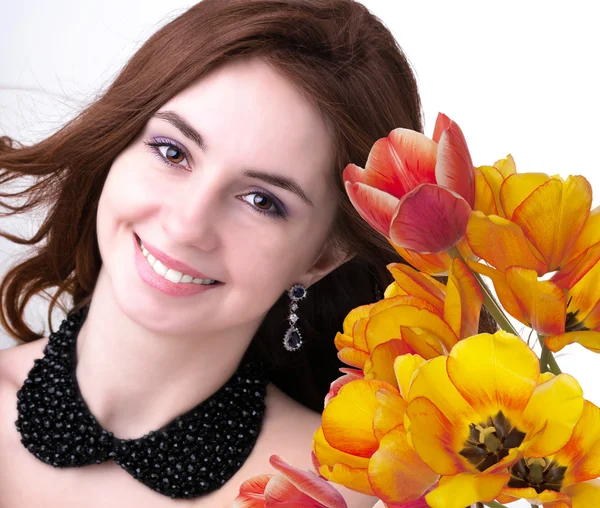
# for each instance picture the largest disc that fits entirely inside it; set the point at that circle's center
(156, 143)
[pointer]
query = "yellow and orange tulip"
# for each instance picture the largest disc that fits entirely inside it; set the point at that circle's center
(566, 479)
(363, 445)
(542, 220)
(418, 315)
(473, 414)
(417, 192)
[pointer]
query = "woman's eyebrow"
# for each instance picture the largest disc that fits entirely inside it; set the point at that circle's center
(189, 132)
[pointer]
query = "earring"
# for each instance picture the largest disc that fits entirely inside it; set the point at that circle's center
(293, 339)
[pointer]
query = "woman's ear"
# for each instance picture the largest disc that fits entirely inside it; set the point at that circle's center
(330, 258)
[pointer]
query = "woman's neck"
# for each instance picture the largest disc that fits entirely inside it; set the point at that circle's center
(134, 380)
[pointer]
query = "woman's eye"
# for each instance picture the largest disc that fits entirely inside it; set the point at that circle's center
(172, 153)
(168, 152)
(264, 204)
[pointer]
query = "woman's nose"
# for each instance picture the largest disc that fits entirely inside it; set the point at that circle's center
(191, 216)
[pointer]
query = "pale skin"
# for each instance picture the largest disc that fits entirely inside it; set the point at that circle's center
(143, 356)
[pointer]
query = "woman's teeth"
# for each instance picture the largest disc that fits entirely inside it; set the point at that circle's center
(170, 274)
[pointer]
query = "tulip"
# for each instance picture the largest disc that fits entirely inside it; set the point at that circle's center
(418, 315)
(475, 413)
(291, 487)
(362, 444)
(415, 191)
(568, 478)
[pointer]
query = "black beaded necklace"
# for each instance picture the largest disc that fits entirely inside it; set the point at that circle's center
(193, 455)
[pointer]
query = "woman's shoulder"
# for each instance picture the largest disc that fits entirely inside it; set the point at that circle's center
(16, 362)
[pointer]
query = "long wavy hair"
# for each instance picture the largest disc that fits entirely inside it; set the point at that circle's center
(347, 64)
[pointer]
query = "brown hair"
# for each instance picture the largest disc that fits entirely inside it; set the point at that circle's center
(345, 61)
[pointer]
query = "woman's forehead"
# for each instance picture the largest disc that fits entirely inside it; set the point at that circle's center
(248, 113)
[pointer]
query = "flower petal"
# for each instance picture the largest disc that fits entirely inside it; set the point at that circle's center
(405, 367)
(431, 381)
(465, 489)
(433, 437)
(505, 294)
(506, 166)
(454, 168)
(553, 216)
(400, 162)
(380, 365)
(396, 472)
(423, 342)
(501, 243)
(581, 454)
(307, 483)
(590, 234)
(347, 420)
(589, 340)
(326, 454)
(389, 414)
(412, 282)
(429, 219)
(353, 357)
(374, 206)
(555, 407)
(463, 302)
(384, 325)
(572, 272)
(517, 187)
(494, 372)
(484, 194)
(585, 298)
(584, 495)
(431, 264)
(442, 122)
(353, 316)
(353, 478)
(336, 385)
(542, 303)
(252, 492)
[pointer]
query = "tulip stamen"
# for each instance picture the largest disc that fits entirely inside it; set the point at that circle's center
(489, 442)
(572, 325)
(539, 474)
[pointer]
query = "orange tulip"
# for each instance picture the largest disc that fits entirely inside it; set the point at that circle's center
(291, 487)
(418, 315)
(362, 443)
(415, 191)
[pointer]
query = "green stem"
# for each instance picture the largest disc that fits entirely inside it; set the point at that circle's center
(544, 358)
(547, 360)
(494, 504)
(554, 368)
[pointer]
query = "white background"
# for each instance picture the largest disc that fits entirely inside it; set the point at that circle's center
(519, 77)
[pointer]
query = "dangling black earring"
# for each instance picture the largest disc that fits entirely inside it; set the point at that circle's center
(292, 341)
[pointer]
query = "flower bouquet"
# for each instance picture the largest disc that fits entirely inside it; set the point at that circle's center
(430, 412)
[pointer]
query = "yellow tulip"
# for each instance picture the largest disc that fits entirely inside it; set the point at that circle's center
(568, 478)
(362, 444)
(473, 414)
(418, 315)
(543, 218)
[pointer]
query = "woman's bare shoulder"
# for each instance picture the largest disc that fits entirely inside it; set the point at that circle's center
(16, 362)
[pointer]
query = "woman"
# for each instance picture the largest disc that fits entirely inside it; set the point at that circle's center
(188, 207)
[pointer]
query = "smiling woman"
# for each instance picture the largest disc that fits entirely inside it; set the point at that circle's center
(189, 207)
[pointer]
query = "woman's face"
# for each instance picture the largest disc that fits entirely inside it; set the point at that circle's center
(230, 178)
